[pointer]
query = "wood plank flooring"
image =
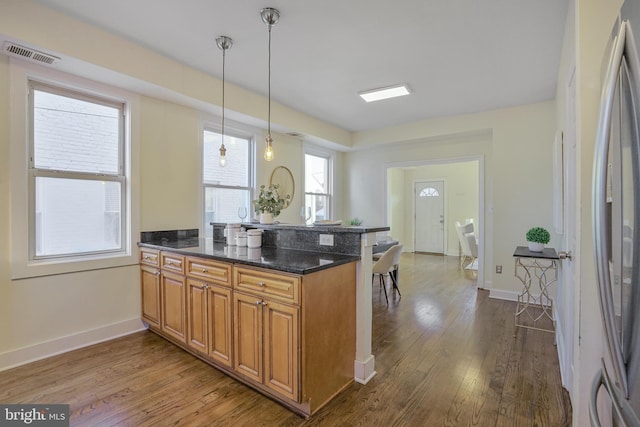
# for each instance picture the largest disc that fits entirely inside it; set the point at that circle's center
(446, 355)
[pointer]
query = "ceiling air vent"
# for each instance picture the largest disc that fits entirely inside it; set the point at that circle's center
(27, 53)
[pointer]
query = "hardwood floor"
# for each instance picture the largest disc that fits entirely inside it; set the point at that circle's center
(446, 355)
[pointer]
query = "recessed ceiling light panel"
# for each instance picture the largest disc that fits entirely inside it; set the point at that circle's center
(385, 93)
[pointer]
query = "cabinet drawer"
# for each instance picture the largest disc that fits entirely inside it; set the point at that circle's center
(172, 262)
(258, 282)
(207, 269)
(150, 257)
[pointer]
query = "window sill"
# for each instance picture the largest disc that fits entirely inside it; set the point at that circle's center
(71, 265)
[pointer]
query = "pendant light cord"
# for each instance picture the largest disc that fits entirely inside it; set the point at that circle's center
(269, 84)
(224, 52)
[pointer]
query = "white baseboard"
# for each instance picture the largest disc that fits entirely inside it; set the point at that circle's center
(363, 371)
(24, 355)
(505, 295)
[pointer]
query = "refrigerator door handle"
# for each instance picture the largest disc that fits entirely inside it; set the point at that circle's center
(624, 414)
(598, 381)
(600, 216)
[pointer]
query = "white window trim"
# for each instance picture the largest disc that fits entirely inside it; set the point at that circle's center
(20, 73)
(237, 130)
(314, 150)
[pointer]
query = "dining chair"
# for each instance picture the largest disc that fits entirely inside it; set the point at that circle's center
(388, 263)
(468, 247)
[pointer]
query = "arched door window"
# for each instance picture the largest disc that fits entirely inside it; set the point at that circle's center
(429, 192)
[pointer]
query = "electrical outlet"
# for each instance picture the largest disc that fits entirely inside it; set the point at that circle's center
(326, 240)
(498, 269)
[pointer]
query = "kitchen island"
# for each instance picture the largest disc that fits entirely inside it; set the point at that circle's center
(288, 321)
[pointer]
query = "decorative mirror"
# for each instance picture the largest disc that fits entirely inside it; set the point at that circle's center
(284, 178)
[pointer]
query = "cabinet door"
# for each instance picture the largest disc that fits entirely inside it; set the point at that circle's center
(150, 280)
(219, 324)
(197, 321)
(173, 305)
(281, 344)
(247, 315)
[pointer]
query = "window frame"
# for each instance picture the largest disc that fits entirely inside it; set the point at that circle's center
(330, 157)
(35, 173)
(21, 264)
(236, 132)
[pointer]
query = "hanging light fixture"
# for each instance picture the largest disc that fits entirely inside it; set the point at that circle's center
(270, 16)
(224, 43)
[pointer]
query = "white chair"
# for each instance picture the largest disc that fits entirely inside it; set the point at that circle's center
(465, 232)
(388, 263)
(472, 243)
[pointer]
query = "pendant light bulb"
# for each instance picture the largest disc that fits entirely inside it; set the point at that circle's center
(223, 43)
(270, 16)
(223, 155)
(268, 150)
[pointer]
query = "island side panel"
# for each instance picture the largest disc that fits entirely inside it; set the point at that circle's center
(329, 333)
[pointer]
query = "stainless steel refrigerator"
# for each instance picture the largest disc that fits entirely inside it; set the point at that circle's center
(616, 227)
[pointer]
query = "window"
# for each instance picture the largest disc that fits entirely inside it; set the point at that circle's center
(77, 188)
(429, 192)
(226, 189)
(317, 195)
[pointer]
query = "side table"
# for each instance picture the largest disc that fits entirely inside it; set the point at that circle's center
(542, 268)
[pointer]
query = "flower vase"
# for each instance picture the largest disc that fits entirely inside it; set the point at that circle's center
(266, 218)
(536, 247)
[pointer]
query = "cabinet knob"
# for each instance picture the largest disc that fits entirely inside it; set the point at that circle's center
(204, 270)
(157, 273)
(264, 303)
(261, 284)
(257, 302)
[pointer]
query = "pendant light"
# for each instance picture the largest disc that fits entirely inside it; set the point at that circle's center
(223, 43)
(270, 16)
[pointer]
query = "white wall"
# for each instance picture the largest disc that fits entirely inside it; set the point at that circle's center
(170, 166)
(398, 205)
(46, 315)
(516, 147)
(288, 152)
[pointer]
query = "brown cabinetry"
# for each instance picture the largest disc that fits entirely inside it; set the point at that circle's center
(209, 309)
(150, 282)
(163, 292)
(266, 331)
(289, 336)
(150, 285)
(173, 309)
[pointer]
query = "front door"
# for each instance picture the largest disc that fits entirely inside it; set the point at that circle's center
(429, 216)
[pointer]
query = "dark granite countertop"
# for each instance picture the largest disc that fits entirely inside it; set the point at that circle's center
(288, 260)
(358, 229)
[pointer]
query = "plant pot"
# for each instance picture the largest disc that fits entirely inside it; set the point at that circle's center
(536, 247)
(266, 218)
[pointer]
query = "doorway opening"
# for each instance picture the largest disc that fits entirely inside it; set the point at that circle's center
(426, 199)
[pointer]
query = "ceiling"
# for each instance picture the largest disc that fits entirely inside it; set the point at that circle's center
(457, 56)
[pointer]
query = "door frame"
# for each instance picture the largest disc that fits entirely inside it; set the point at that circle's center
(481, 197)
(445, 246)
(568, 335)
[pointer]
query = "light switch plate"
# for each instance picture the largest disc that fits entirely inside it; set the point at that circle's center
(326, 240)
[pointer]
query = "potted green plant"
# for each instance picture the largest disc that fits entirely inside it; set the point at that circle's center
(355, 221)
(537, 238)
(269, 203)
